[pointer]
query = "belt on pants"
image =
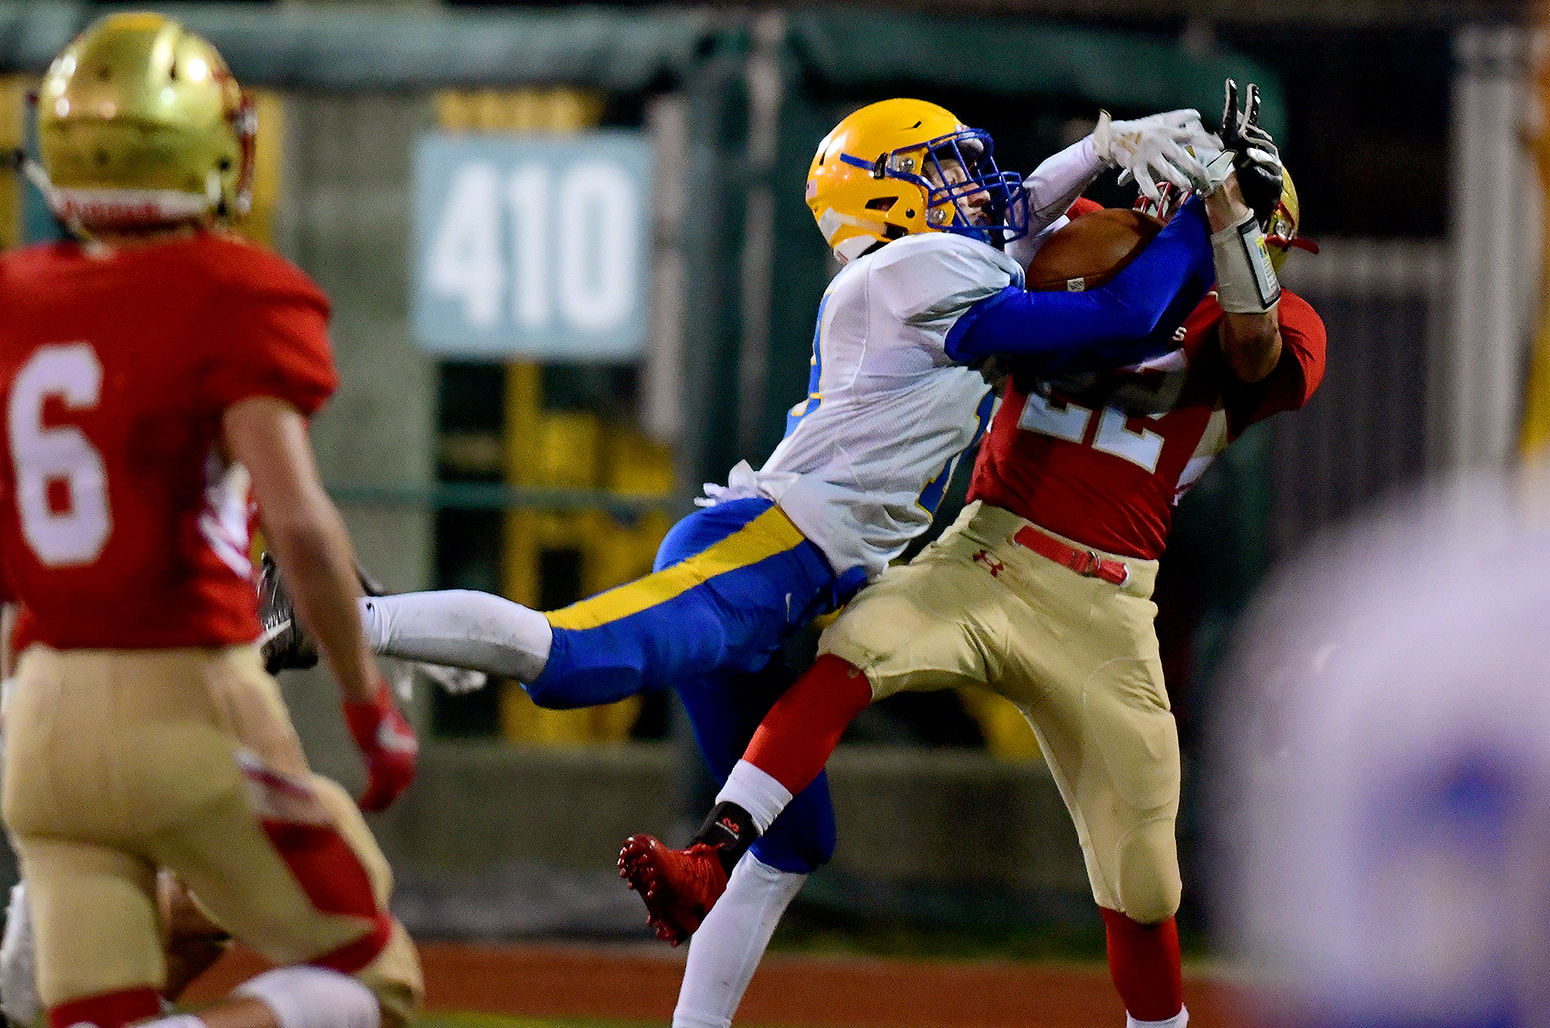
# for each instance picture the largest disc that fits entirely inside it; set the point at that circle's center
(1083, 562)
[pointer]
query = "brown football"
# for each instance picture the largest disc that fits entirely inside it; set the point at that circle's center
(1091, 249)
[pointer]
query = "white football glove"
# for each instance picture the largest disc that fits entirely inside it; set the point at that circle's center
(1172, 146)
(455, 680)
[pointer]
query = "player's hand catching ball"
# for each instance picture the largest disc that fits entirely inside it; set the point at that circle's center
(1171, 147)
(1257, 160)
(387, 745)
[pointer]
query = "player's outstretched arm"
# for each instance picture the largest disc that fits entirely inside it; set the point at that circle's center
(1250, 338)
(1160, 149)
(1172, 147)
(310, 544)
(1239, 210)
(1125, 321)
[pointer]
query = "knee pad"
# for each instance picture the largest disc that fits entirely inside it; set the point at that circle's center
(1149, 885)
(313, 997)
(1148, 895)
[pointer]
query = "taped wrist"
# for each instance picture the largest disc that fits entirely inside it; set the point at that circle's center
(1245, 279)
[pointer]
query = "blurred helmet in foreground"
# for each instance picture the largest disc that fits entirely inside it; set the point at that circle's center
(1381, 773)
(141, 124)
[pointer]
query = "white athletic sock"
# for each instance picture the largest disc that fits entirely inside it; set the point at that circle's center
(459, 627)
(726, 949)
(301, 996)
(174, 1021)
(1178, 1020)
(757, 792)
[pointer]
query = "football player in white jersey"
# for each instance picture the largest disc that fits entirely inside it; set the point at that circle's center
(913, 204)
(1041, 592)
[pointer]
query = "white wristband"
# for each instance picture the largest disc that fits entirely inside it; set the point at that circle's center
(1245, 279)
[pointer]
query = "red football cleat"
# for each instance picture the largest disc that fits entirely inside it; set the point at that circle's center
(679, 886)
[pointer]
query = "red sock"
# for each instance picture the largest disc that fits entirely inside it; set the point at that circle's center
(1144, 961)
(107, 1009)
(799, 733)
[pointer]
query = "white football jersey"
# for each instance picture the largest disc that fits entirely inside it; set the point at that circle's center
(868, 454)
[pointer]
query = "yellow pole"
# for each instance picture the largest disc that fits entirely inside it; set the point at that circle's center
(13, 134)
(1535, 436)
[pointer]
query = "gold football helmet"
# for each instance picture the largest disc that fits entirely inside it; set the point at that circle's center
(1281, 234)
(903, 166)
(141, 124)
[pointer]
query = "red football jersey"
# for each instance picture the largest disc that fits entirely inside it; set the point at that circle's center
(122, 525)
(1076, 460)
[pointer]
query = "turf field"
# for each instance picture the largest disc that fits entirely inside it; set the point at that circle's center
(469, 1020)
(577, 985)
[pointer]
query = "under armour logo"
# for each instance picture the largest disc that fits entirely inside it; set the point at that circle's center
(995, 566)
(732, 827)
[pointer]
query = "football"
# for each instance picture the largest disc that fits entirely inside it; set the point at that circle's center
(1090, 250)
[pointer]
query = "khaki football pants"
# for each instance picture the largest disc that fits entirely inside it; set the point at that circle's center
(1078, 656)
(120, 762)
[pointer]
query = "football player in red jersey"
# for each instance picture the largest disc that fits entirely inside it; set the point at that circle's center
(1041, 591)
(155, 372)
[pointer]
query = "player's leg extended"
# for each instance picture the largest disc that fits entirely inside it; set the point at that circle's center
(1112, 746)
(99, 955)
(723, 709)
(794, 740)
(732, 582)
(702, 608)
(730, 940)
(277, 856)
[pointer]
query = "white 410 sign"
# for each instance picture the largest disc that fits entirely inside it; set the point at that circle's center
(531, 246)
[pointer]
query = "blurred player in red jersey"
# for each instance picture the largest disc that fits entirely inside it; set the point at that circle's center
(1041, 592)
(154, 373)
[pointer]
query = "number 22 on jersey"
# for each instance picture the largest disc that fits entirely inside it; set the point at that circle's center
(1113, 435)
(61, 480)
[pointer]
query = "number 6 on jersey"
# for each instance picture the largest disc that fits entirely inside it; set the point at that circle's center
(61, 481)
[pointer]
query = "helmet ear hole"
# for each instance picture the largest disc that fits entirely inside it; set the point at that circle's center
(882, 203)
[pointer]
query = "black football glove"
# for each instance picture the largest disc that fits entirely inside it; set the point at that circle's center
(1257, 161)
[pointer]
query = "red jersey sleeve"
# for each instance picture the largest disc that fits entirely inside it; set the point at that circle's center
(1298, 373)
(1081, 205)
(270, 329)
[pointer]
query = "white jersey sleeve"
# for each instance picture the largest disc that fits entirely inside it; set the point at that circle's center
(868, 453)
(1050, 190)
